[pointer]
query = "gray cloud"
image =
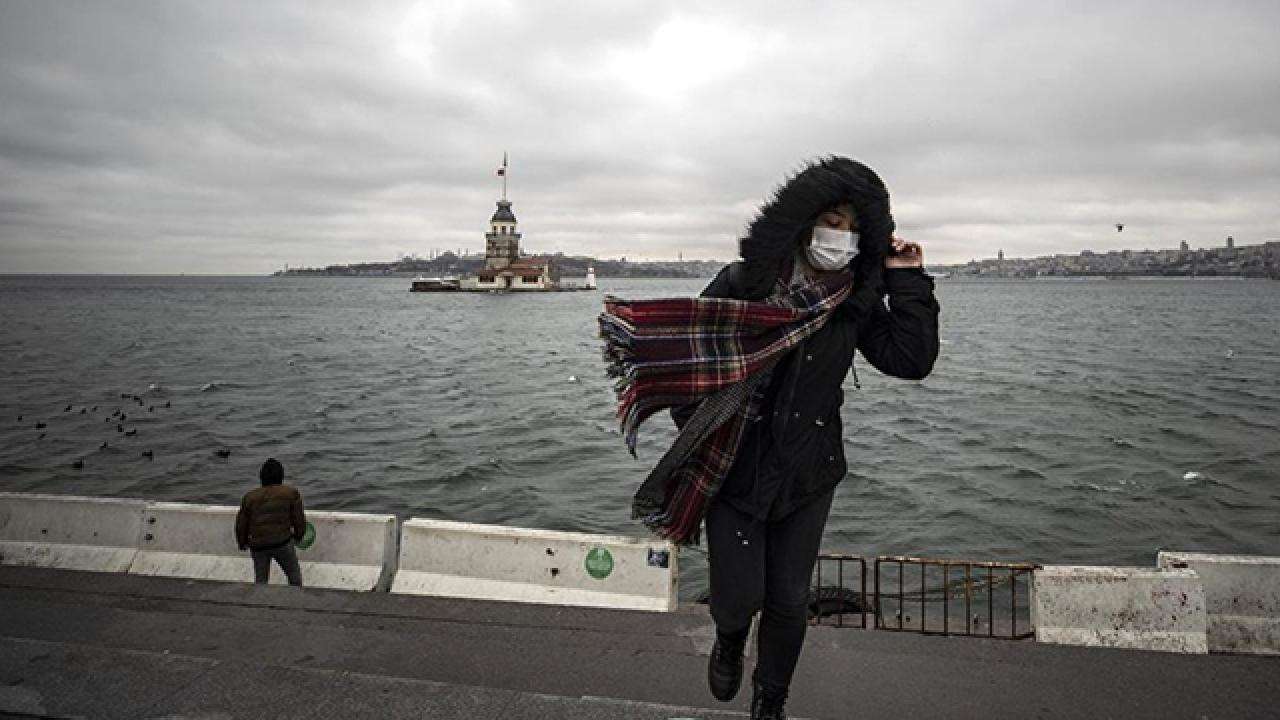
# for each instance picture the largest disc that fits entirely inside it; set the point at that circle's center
(237, 137)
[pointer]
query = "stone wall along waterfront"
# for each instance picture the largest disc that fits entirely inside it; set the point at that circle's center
(1242, 597)
(352, 551)
(69, 532)
(1120, 607)
(494, 562)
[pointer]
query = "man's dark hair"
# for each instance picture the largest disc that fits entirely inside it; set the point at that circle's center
(272, 472)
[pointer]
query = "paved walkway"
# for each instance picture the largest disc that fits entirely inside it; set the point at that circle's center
(115, 646)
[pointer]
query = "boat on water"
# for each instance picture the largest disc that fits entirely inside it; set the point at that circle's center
(448, 283)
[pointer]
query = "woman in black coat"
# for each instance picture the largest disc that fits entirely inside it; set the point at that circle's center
(765, 524)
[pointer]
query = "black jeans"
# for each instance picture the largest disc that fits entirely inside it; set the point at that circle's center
(285, 555)
(771, 574)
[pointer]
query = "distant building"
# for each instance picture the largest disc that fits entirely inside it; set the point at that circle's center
(1183, 246)
(1231, 242)
(502, 242)
(504, 267)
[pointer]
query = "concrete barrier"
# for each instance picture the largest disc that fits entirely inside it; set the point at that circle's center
(1121, 607)
(1242, 596)
(69, 532)
(494, 562)
(352, 551)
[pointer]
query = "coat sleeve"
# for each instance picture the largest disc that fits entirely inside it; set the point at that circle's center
(242, 524)
(720, 287)
(902, 340)
(298, 516)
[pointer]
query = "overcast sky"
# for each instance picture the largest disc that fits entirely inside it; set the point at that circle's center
(229, 137)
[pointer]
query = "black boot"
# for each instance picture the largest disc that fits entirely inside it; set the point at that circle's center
(724, 670)
(768, 703)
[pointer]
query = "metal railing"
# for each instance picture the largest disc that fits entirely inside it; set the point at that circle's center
(838, 600)
(974, 582)
(943, 590)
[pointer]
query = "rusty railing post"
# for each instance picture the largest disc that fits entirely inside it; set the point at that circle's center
(968, 599)
(879, 624)
(991, 603)
(946, 598)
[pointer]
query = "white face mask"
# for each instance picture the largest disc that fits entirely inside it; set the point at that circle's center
(831, 249)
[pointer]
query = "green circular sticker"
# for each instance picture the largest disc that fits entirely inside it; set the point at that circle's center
(599, 563)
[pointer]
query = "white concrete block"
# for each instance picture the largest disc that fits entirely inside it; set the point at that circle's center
(1242, 596)
(494, 562)
(69, 532)
(1122, 607)
(352, 551)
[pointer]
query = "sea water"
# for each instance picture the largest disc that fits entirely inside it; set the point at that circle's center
(1083, 421)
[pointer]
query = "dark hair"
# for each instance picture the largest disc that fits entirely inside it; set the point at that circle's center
(272, 472)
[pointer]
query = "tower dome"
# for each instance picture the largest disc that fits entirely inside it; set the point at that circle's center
(503, 214)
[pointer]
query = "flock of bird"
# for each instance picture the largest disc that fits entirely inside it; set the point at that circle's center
(119, 417)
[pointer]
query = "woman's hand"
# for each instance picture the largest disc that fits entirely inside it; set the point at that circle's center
(904, 254)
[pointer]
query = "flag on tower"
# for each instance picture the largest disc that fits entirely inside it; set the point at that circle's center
(502, 171)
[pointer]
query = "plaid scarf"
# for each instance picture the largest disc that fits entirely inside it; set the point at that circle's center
(712, 351)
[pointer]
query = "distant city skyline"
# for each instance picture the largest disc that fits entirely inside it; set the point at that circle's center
(236, 137)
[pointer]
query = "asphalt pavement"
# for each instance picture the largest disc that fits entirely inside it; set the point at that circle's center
(92, 645)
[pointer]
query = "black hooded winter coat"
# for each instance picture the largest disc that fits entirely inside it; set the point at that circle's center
(793, 452)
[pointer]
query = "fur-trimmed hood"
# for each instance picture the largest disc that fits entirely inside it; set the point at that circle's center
(785, 221)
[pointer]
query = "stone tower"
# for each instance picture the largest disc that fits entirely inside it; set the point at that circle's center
(502, 242)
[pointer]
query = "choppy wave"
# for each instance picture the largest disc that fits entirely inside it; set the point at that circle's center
(1065, 422)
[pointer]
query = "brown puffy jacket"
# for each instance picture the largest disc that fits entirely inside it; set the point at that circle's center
(269, 517)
